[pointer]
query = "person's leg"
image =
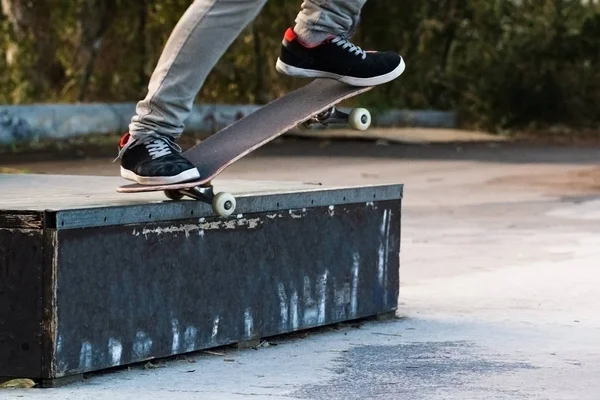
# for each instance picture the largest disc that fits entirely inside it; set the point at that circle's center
(208, 27)
(321, 19)
(318, 46)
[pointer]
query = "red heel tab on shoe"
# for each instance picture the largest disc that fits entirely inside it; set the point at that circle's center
(124, 140)
(290, 35)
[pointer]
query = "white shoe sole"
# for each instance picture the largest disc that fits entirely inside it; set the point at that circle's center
(185, 176)
(350, 80)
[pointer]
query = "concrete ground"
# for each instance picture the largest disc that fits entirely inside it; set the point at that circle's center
(500, 271)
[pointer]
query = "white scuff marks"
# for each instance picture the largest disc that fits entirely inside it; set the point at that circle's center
(240, 216)
(176, 336)
(186, 229)
(189, 338)
(272, 216)
(322, 297)
(189, 229)
(294, 310)
(294, 214)
(341, 298)
(249, 223)
(383, 248)
(331, 211)
(311, 310)
(354, 295)
(215, 330)
(248, 323)
(115, 350)
(85, 356)
(370, 204)
(59, 342)
(142, 345)
(283, 306)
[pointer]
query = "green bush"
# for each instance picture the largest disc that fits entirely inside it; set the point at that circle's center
(501, 64)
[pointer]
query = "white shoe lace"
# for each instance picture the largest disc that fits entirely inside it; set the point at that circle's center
(343, 43)
(158, 148)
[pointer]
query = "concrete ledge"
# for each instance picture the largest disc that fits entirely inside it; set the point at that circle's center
(94, 279)
(58, 121)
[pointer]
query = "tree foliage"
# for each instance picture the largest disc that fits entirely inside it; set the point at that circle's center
(500, 63)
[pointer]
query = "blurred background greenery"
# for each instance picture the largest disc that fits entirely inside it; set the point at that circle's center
(500, 64)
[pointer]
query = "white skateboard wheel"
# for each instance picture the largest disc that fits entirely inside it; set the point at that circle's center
(359, 119)
(224, 204)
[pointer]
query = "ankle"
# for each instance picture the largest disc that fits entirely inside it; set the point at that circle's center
(307, 37)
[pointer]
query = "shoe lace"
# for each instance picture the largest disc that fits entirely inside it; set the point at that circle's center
(158, 148)
(156, 145)
(345, 44)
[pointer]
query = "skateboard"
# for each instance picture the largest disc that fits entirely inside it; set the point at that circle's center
(310, 105)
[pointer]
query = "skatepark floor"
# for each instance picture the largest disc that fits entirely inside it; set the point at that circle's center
(499, 295)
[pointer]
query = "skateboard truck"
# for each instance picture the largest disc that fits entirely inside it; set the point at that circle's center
(223, 204)
(359, 118)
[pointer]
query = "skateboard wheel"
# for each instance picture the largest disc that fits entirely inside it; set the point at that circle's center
(173, 194)
(359, 119)
(223, 204)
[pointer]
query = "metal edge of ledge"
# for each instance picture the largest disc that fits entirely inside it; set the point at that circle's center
(169, 210)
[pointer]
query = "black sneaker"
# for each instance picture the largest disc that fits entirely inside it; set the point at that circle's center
(154, 160)
(337, 58)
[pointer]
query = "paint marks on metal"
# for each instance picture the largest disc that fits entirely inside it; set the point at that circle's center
(354, 295)
(284, 311)
(383, 247)
(294, 213)
(215, 329)
(322, 297)
(85, 356)
(188, 229)
(115, 350)
(331, 211)
(189, 338)
(294, 310)
(59, 343)
(176, 336)
(248, 323)
(311, 311)
(142, 345)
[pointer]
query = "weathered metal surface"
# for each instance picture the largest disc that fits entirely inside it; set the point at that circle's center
(43, 121)
(88, 281)
(21, 219)
(83, 201)
(134, 292)
(21, 263)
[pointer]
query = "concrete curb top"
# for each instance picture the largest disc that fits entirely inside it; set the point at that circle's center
(22, 123)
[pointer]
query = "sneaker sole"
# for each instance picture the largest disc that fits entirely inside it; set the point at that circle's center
(350, 80)
(185, 176)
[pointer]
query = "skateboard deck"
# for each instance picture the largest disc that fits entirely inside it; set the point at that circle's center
(235, 141)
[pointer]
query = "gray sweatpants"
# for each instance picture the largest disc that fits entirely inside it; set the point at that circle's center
(202, 36)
